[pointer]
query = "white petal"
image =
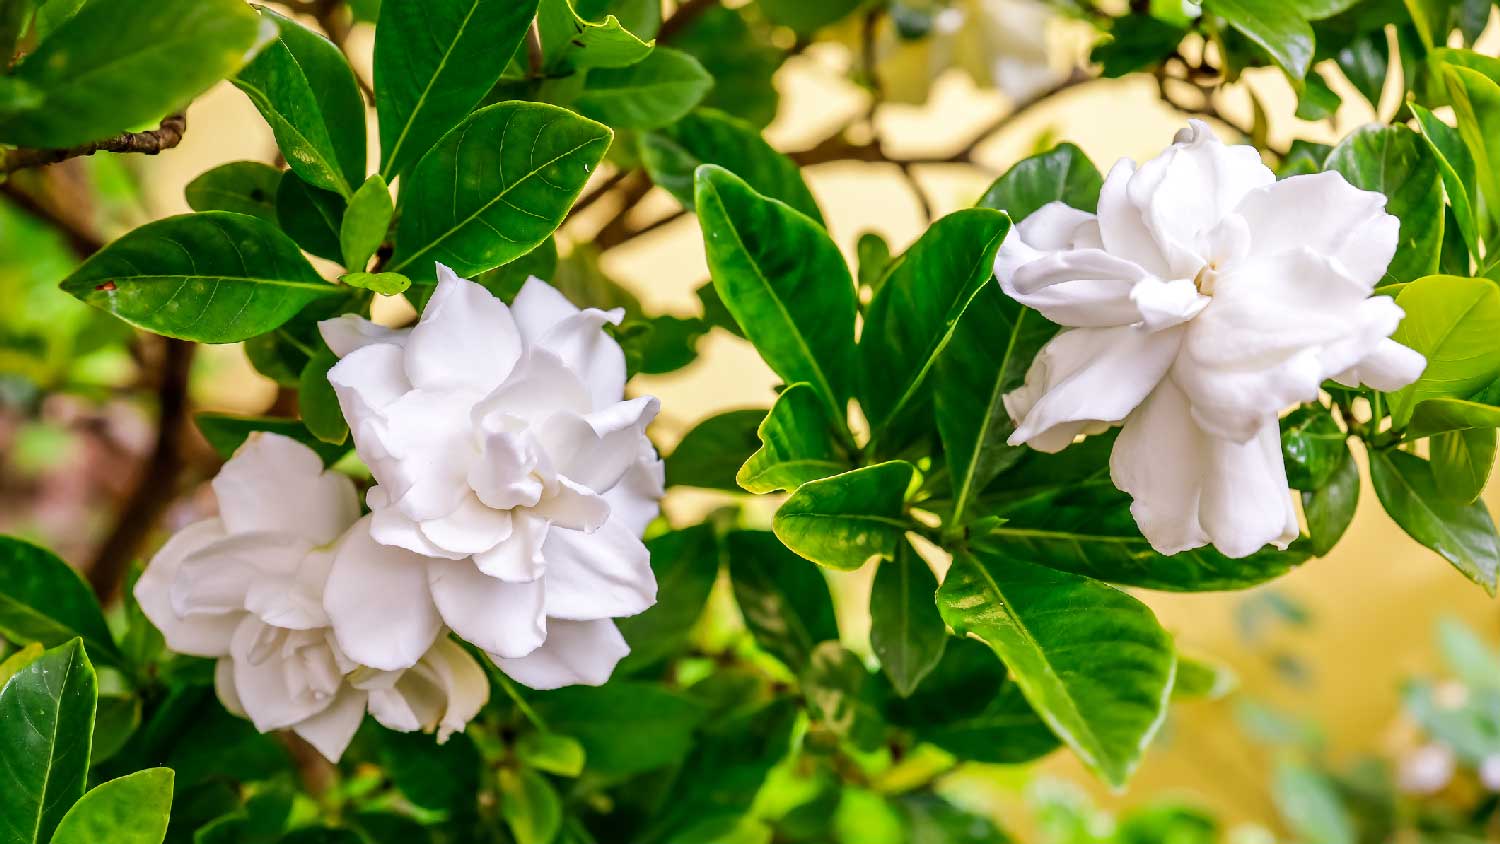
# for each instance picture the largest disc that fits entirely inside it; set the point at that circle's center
(445, 690)
(473, 528)
(378, 602)
(1159, 460)
(368, 379)
(595, 450)
(1163, 304)
(505, 476)
(1051, 228)
(466, 339)
(276, 484)
(1122, 229)
(576, 653)
(431, 444)
(224, 686)
(347, 332)
(201, 634)
(540, 386)
(538, 307)
(260, 682)
(1088, 375)
(594, 356)
(573, 506)
(331, 730)
(519, 558)
(1246, 504)
(1388, 368)
(499, 617)
(219, 577)
(390, 526)
(1082, 287)
(636, 499)
(604, 574)
(1324, 213)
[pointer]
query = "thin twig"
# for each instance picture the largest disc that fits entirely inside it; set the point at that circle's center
(617, 231)
(686, 13)
(164, 137)
(82, 241)
(599, 192)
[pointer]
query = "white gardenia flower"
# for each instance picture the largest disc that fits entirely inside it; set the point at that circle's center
(514, 482)
(1203, 300)
(999, 43)
(247, 588)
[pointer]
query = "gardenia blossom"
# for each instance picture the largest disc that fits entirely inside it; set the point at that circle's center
(247, 588)
(514, 483)
(1202, 300)
(999, 43)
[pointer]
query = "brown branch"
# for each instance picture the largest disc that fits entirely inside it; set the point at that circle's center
(164, 137)
(83, 242)
(686, 12)
(617, 231)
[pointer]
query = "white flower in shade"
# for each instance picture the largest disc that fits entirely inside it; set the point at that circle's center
(998, 43)
(1203, 300)
(1489, 772)
(1426, 770)
(247, 588)
(514, 482)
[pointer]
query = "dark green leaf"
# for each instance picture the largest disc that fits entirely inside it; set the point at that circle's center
(118, 717)
(729, 764)
(784, 600)
(1091, 660)
(741, 59)
(843, 520)
(434, 61)
(785, 282)
(798, 444)
(365, 223)
(46, 728)
(1062, 174)
(906, 632)
(226, 434)
(322, 835)
(1312, 446)
(317, 402)
(303, 86)
(834, 685)
(440, 777)
(243, 187)
(1302, 158)
(1365, 62)
(712, 453)
(1456, 166)
(213, 277)
(1136, 42)
(625, 728)
(313, 217)
(15, 15)
(1463, 534)
(661, 344)
(1461, 462)
(569, 42)
(494, 188)
(530, 806)
(654, 92)
(42, 599)
(1393, 160)
(130, 810)
(1277, 26)
(1330, 508)
(686, 564)
(873, 259)
(1452, 321)
(673, 154)
(1317, 101)
(807, 18)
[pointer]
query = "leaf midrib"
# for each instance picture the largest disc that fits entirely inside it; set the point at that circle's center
(961, 502)
(416, 109)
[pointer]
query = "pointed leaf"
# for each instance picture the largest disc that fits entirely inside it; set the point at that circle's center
(906, 631)
(797, 444)
(654, 92)
(42, 599)
(842, 521)
(530, 806)
(365, 223)
(1463, 534)
(1061, 174)
(46, 728)
(785, 601)
(710, 454)
(243, 187)
(1277, 26)
(1456, 166)
(1461, 462)
(1434, 416)
(570, 42)
(130, 810)
(672, 155)
(1330, 508)
(1452, 321)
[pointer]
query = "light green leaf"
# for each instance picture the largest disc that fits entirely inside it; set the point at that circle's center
(654, 92)
(385, 284)
(530, 806)
(494, 188)
(21, 658)
(115, 66)
(1198, 678)
(130, 810)
(1456, 166)
(552, 753)
(571, 43)
(311, 216)
(1461, 462)
(214, 277)
(1476, 104)
(798, 444)
(1061, 174)
(1463, 534)
(1330, 508)
(365, 223)
(434, 61)
(303, 86)
(673, 154)
(785, 601)
(1091, 660)
(46, 728)
(1310, 804)
(1452, 321)
(686, 565)
(784, 281)
(1434, 416)
(242, 187)
(42, 599)
(906, 632)
(1468, 656)
(226, 434)
(842, 521)
(1394, 160)
(916, 313)
(1277, 26)
(710, 454)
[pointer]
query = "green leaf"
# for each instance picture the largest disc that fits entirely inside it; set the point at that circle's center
(1136, 42)
(1061, 174)
(1394, 160)
(130, 810)
(1317, 101)
(931, 819)
(1468, 656)
(1456, 166)
(46, 728)
(672, 155)
(916, 313)
(570, 42)
(42, 599)
(1310, 804)
(834, 686)
(712, 452)
(740, 58)
(784, 600)
(434, 61)
(1365, 62)
(797, 444)
(552, 753)
(1199, 679)
(651, 93)
(303, 86)
(625, 727)
(311, 216)
(1277, 26)
(1313, 446)
(660, 344)
(318, 403)
(1435, 416)
(1452, 321)
(117, 719)
(844, 520)
(530, 806)
(1476, 104)
(18, 660)
(906, 632)
(322, 835)
(1091, 660)
(242, 187)
(440, 777)
(494, 188)
(226, 433)
(15, 15)
(784, 281)
(115, 66)
(686, 564)
(807, 18)
(365, 223)
(214, 277)
(1461, 462)
(1463, 534)
(386, 284)
(1330, 508)
(873, 259)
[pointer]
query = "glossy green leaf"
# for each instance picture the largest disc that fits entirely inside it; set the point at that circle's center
(552, 753)
(117, 718)
(1330, 508)
(311, 216)
(740, 58)
(385, 284)
(530, 806)
(42, 599)
(797, 444)
(494, 188)
(115, 66)
(130, 810)
(213, 277)
(906, 632)
(1061, 174)
(872, 260)
(17, 660)
(1461, 462)
(660, 344)
(317, 402)
(1365, 62)
(710, 454)
(1317, 101)
(1277, 26)
(434, 61)
(569, 42)
(1394, 160)
(673, 154)
(784, 281)
(785, 601)
(843, 520)
(366, 221)
(1434, 416)
(1452, 321)
(1313, 446)
(1463, 534)
(46, 728)
(1456, 166)
(303, 86)
(226, 433)
(686, 565)
(1135, 42)
(651, 93)
(242, 187)
(1197, 678)
(625, 727)
(834, 684)
(1091, 660)
(1476, 104)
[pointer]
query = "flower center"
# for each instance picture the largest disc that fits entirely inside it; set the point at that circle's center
(1206, 277)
